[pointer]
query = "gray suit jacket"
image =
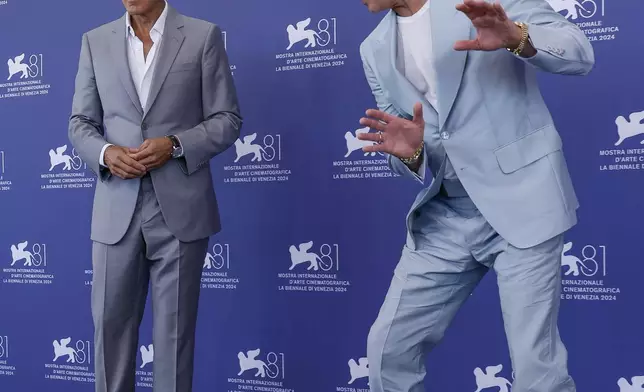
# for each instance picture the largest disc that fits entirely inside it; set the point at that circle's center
(491, 119)
(192, 96)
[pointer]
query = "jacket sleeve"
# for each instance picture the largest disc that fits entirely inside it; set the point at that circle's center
(562, 48)
(395, 164)
(85, 130)
(223, 120)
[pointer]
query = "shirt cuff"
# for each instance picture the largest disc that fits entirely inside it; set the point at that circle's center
(101, 158)
(420, 174)
(180, 146)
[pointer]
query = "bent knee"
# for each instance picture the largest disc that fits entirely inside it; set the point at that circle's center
(383, 350)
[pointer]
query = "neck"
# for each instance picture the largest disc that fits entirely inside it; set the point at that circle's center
(143, 23)
(408, 7)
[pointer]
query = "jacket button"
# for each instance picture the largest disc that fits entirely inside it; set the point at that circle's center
(444, 135)
(144, 126)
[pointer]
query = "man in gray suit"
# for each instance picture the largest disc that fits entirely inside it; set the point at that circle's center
(154, 102)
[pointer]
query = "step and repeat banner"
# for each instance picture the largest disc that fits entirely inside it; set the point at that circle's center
(312, 226)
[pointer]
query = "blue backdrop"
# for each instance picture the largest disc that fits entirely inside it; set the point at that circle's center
(307, 185)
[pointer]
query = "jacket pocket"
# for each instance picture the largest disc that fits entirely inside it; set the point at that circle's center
(528, 149)
(185, 66)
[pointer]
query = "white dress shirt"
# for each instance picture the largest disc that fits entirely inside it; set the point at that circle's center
(415, 60)
(141, 67)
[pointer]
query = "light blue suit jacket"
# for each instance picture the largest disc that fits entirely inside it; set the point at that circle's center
(490, 119)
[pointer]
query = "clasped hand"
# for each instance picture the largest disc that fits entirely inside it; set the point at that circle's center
(128, 163)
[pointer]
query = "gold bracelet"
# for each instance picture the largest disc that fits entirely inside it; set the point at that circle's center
(524, 38)
(412, 159)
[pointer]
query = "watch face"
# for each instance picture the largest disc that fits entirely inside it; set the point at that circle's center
(176, 147)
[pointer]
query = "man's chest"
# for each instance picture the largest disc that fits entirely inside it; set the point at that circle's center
(142, 54)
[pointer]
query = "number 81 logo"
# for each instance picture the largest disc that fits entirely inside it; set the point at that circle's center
(4, 347)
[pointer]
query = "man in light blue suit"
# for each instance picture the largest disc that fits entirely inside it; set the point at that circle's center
(457, 95)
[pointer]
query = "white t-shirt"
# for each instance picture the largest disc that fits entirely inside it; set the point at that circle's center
(415, 60)
(415, 55)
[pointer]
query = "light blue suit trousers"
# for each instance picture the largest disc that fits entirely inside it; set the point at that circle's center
(455, 247)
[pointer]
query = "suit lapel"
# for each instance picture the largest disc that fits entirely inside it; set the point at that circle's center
(403, 94)
(170, 45)
(118, 47)
(448, 26)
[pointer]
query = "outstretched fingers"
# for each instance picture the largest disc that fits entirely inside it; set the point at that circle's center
(472, 44)
(373, 124)
(380, 115)
(375, 148)
(475, 9)
(500, 11)
(376, 137)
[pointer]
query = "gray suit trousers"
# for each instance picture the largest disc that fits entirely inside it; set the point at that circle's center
(148, 256)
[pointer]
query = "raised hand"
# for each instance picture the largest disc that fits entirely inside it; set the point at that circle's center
(398, 136)
(120, 162)
(153, 153)
(494, 30)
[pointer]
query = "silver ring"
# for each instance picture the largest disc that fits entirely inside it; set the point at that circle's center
(380, 141)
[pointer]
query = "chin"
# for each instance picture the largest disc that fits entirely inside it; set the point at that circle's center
(134, 7)
(374, 8)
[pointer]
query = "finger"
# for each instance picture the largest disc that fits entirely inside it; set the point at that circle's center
(500, 12)
(149, 161)
(466, 10)
(130, 161)
(128, 172)
(472, 11)
(373, 124)
(141, 154)
(131, 170)
(477, 5)
(372, 137)
(418, 113)
(375, 148)
(480, 9)
(120, 173)
(467, 45)
(145, 144)
(380, 115)
(155, 161)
